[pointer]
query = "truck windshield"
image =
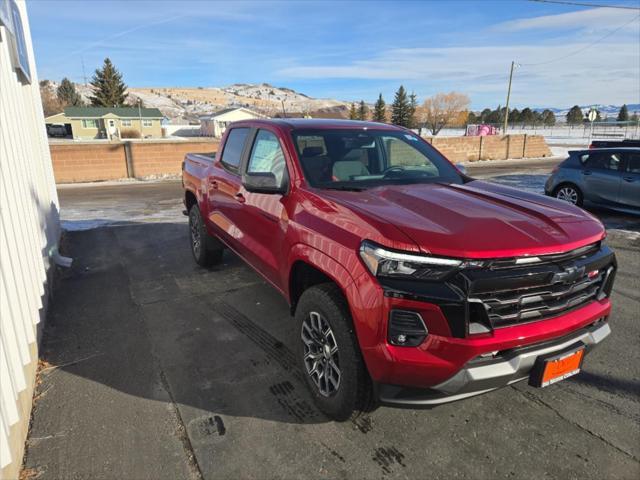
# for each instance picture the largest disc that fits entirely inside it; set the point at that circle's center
(359, 158)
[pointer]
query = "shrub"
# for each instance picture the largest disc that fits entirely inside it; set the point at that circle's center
(130, 133)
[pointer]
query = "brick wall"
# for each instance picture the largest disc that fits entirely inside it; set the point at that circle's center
(162, 157)
(493, 147)
(90, 162)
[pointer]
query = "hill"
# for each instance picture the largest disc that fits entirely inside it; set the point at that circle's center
(184, 104)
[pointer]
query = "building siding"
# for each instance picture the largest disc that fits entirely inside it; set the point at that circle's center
(29, 232)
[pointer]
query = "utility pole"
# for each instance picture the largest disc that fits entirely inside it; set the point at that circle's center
(284, 112)
(506, 113)
(84, 75)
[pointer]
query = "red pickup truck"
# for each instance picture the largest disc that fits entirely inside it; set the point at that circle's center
(410, 283)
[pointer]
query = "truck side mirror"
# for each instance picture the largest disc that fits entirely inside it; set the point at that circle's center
(264, 182)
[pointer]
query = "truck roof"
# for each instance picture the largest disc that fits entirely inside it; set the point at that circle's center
(320, 123)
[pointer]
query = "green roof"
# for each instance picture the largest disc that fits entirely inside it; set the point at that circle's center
(126, 112)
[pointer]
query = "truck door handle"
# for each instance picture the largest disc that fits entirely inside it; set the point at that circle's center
(240, 198)
(213, 184)
(586, 172)
(628, 179)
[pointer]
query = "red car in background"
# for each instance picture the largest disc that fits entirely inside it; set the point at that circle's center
(410, 283)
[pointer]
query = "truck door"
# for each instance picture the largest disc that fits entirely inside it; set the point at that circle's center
(263, 221)
(224, 186)
(630, 185)
(601, 177)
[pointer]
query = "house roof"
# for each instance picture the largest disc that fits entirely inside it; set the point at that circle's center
(224, 111)
(98, 112)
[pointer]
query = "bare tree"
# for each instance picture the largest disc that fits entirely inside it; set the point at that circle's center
(441, 110)
(50, 102)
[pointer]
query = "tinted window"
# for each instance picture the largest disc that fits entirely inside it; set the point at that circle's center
(233, 147)
(266, 156)
(359, 158)
(633, 162)
(603, 161)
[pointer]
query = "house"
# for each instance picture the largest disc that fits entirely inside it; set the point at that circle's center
(85, 123)
(214, 125)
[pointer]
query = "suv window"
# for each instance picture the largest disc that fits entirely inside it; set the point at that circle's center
(266, 156)
(633, 163)
(602, 161)
(233, 147)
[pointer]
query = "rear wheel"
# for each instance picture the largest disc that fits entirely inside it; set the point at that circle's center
(206, 250)
(329, 354)
(569, 193)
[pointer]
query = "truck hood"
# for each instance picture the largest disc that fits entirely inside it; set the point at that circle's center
(475, 220)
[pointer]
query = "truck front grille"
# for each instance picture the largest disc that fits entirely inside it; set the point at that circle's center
(521, 305)
(547, 289)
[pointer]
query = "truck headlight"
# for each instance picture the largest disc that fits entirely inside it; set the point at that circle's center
(382, 262)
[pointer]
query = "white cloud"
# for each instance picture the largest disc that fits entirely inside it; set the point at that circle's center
(592, 19)
(606, 73)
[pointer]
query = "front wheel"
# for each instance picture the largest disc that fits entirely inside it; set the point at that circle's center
(569, 193)
(329, 354)
(206, 250)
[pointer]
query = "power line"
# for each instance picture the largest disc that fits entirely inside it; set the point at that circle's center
(582, 49)
(584, 4)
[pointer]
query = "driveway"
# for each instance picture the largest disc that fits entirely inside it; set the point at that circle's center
(155, 368)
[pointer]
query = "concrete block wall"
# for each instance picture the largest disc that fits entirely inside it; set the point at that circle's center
(493, 147)
(88, 162)
(91, 162)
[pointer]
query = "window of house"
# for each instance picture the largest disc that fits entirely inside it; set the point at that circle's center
(233, 148)
(267, 156)
(126, 123)
(89, 124)
(147, 123)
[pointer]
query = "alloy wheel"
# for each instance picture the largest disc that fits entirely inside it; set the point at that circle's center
(196, 241)
(321, 357)
(568, 194)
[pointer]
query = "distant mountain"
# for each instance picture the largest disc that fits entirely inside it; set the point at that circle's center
(185, 104)
(605, 110)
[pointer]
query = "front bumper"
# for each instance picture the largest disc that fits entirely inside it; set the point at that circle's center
(483, 374)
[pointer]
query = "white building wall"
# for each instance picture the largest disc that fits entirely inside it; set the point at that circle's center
(29, 233)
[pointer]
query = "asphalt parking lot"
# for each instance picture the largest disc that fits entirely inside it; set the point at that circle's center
(155, 368)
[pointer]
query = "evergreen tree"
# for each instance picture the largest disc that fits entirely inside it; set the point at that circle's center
(514, 116)
(401, 108)
(574, 116)
(67, 94)
(598, 117)
(495, 117)
(413, 105)
(363, 111)
(353, 113)
(380, 110)
(548, 118)
(472, 118)
(623, 114)
(484, 115)
(108, 88)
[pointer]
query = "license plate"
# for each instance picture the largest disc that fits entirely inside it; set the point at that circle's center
(553, 368)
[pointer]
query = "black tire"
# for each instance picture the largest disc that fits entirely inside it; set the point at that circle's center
(206, 250)
(568, 192)
(353, 394)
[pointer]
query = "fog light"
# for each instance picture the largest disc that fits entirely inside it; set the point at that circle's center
(406, 329)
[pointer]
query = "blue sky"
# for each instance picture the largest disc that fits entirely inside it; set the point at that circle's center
(352, 50)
